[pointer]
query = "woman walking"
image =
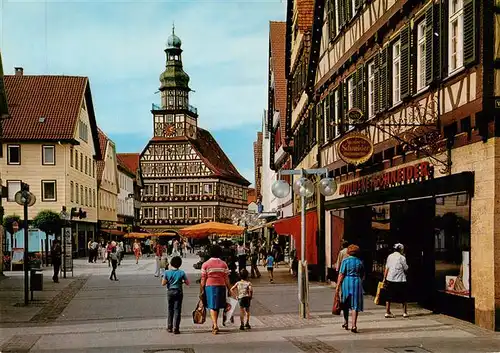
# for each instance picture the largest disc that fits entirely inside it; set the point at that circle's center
(137, 251)
(215, 284)
(350, 281)
(113, 256)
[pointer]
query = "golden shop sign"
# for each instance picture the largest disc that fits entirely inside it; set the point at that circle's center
(400, 176)
(355, 148)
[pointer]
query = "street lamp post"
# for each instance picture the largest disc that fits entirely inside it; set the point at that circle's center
(26, 199)
(305, 188)
(65, 216)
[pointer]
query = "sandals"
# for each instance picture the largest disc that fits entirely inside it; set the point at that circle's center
(215, 330)
(345, 326)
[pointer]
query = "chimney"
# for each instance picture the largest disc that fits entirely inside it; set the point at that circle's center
(18, 71)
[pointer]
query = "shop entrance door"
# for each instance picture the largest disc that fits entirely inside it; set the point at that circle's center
(412, 225)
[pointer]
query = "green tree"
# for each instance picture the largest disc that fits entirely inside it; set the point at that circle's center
(8, 222)
(48, 222)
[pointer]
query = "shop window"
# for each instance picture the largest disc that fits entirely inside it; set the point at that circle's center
(452, 244)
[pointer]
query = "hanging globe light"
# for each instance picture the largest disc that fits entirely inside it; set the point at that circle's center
(327, 186)
(304, 187)
(280, 189)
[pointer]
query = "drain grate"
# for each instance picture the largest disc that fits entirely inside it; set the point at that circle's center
(408, 349)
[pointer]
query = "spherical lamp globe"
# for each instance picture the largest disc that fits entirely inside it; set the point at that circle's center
(280, 189)
(304, 187)
(327, 186)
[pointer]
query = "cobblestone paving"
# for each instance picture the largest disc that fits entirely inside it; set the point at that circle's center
(56, 306)
(309, 344)
(19, 344)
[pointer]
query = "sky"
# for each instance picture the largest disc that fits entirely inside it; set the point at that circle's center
(119, 46)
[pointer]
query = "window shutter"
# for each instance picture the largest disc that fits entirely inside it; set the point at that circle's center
(404, 37)
(388, 77)
(469, 32)
(341, 106)
(341, 9)
(383, 80)
(359, 88)
(429, 47)
(376, 82)
(349, 10)
(331, 19)
(320, 123)
(328, 133)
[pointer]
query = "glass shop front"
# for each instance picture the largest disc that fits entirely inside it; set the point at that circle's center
(432, 220)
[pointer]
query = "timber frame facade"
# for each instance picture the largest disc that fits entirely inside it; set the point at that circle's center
(425, 75)
(187, 178)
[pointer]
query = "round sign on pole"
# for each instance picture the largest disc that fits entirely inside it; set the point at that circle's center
(355, 148)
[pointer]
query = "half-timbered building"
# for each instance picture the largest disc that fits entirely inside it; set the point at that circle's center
(405, 91)
(188, 179)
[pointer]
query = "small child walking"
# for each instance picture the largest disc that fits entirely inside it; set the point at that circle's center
(244, 291)
(113, 255)
(270, 266)
(174, 280)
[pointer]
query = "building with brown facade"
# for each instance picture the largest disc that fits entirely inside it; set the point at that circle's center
(405, 93)
(188, 179)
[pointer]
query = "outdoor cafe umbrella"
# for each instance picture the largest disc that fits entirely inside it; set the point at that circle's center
(211, 228)
(137, 235)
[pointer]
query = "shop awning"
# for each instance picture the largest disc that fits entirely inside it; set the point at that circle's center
(265, 225)
(292, 226)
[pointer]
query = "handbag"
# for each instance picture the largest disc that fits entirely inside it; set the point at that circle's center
(200, 313)
(337, 307)
(380, 297)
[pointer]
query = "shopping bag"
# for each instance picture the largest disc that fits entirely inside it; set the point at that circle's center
(336, 308)
(231, 305)
(380, 297)
(200, 313)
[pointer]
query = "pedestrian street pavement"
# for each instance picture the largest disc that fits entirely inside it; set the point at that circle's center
(90, 313)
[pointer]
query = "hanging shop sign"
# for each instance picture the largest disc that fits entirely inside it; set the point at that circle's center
(355, 148)
(404, 175)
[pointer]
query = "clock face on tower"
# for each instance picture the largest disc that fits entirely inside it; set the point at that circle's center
(169, 130)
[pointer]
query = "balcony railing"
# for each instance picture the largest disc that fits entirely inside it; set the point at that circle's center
(191, 108)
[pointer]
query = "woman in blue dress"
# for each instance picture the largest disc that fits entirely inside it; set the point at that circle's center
(350, 283)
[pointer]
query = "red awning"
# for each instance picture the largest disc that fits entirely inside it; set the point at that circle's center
(292, 226)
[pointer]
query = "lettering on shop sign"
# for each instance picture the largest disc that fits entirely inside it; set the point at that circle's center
(355, 148)
(400, 176)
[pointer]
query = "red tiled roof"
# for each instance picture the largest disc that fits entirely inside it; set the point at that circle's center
(211, 154)
(305, 20)
(123, 166)
(103, 143)
(56, 98)
(129, 160)
(214, 157)
(277, 39)
(251, 196)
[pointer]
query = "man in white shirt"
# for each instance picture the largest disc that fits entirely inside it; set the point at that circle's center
(395, 280)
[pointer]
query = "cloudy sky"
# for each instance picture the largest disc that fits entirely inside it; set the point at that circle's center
(119, 46)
